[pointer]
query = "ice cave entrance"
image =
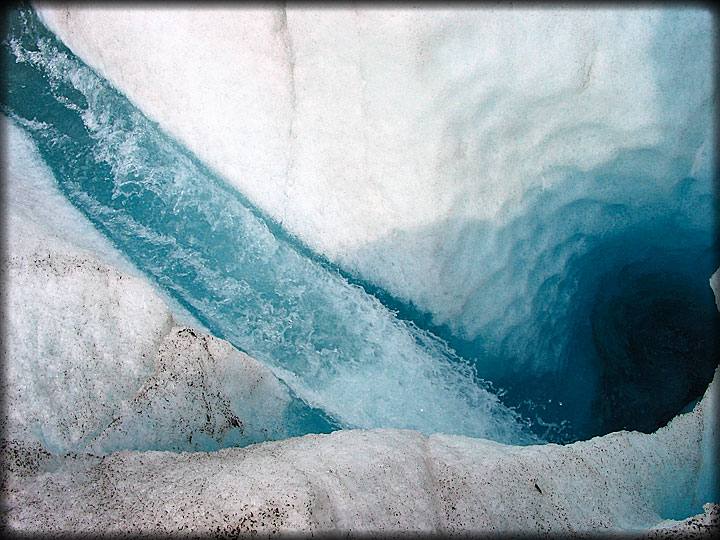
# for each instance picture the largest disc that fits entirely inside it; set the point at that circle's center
(623, 336)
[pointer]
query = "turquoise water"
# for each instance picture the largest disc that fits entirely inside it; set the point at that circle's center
(349, 360)
(612, 273)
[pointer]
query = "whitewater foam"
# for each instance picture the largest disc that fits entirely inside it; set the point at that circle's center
(492, 202)
(337, 347)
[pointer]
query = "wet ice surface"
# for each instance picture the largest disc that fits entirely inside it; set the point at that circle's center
(95, 360)
(518, 196)
(99, 363)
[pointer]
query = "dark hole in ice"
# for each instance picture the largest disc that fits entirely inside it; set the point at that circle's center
(644, 348)
(657, 343)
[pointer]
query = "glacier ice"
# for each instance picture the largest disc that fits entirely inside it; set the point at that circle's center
(352, 480)
(526, 201)
(74, 347)
(397, 113)
(338, 348)
(487, 181)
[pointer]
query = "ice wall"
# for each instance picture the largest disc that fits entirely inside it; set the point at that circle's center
(512, 177)
(356, 126)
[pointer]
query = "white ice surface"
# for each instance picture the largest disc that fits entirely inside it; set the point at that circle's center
(367, 481)
(203, 395)
(380, 137)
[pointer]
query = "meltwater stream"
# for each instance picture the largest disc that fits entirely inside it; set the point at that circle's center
(337, 347)
(592, 309)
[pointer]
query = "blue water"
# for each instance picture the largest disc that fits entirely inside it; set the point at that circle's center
(628, 310)
(349, 359)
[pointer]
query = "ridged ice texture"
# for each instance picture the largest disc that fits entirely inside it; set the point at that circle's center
(536, 182)
(348, 125)
(337, 347)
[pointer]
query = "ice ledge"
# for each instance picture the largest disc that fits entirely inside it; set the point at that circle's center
(360, 481)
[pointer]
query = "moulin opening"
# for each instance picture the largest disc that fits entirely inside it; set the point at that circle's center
(579, 308)
(656, 339)
(600, 316)
(643, 340)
